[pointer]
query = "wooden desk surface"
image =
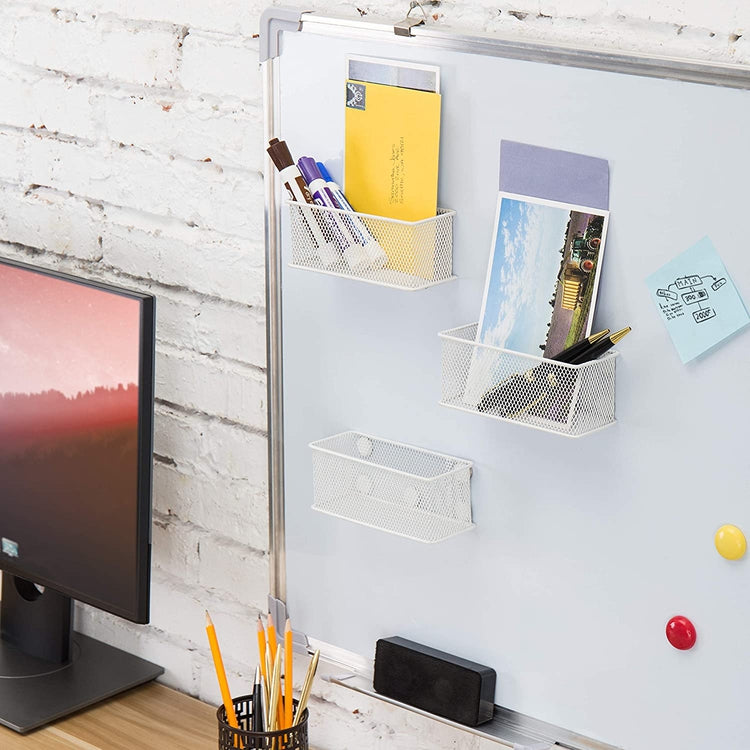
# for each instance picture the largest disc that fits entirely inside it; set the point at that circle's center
(152, 717)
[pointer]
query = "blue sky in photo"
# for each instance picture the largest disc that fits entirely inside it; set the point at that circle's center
(525, 263)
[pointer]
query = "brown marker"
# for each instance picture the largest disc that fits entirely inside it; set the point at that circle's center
(292, 178)
(299, 192)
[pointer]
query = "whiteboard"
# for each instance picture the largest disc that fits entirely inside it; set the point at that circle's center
(583, 549)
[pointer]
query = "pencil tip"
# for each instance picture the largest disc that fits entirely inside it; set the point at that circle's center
(270, 620)
(209, 621)
(288, 627)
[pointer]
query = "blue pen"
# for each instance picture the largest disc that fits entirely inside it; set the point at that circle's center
(375, 254)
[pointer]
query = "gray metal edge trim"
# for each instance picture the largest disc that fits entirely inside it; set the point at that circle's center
(507, 726)
(273, 21)
(274, 349)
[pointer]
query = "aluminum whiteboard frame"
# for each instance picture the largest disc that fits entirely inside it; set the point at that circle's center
(716, 74)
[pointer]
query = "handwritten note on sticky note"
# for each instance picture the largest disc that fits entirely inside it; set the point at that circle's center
(697, 300)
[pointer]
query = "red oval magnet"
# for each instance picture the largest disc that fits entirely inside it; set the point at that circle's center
(681, 633)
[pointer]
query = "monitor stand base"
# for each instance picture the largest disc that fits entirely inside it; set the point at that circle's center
(34, 692)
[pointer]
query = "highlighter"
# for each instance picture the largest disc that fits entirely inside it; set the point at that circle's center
(375, 254)
(300, 193)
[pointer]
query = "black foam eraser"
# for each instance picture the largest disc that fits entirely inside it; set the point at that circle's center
(440, 683)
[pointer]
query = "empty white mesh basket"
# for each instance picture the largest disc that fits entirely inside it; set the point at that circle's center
(390, 486)
(403, 254)
(571, 400)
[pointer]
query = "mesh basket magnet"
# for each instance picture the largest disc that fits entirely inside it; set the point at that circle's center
(393, 487)
(282, 739)
(571, 400)
(402, 254)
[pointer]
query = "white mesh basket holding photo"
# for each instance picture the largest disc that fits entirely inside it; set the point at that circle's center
(397, 488)
(402, 254)
(571, 400)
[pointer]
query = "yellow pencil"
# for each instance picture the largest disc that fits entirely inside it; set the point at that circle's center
(288, 680)
(271, 637)
(307, 687)
(272, 645)
(262, 654)
(221, 674)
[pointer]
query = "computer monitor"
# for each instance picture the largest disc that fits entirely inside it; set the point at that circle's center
(76, 435)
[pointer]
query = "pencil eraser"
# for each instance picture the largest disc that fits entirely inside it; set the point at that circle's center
(434, 681)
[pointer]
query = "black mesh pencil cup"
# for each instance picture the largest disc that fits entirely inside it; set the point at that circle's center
(294, 738)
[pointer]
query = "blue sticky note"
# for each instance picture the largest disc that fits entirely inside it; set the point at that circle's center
(697, 300)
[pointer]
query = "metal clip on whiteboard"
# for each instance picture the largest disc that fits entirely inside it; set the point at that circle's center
(403, 28)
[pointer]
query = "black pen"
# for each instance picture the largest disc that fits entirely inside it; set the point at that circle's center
(601, 346)
(569, 354)
(257, 710)
(525, 390)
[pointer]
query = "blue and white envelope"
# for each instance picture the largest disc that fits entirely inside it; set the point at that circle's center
(697, 300)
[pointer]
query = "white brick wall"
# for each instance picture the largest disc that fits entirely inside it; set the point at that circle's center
(130, 151)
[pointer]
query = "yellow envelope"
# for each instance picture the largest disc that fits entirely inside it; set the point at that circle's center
(391, 157)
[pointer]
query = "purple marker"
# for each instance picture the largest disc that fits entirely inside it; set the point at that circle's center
(354, 253)
(375, 254)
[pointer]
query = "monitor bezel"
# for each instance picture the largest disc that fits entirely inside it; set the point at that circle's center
(146, 367)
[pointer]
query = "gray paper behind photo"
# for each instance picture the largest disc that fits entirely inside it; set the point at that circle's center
(554, 175)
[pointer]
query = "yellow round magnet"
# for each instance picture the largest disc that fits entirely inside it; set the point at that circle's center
(730, 542)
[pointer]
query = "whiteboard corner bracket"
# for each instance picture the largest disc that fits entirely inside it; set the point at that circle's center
(273, 21)
(278, 611)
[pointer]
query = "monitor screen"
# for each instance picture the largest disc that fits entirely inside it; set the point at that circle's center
(76, 420)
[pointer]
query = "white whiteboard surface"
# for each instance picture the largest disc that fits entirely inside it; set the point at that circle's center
(585, 548)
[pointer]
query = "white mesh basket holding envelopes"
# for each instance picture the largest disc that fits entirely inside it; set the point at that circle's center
(390, 486)
(403, 254)
(571, 400)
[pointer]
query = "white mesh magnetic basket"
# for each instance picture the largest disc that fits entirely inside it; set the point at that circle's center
(402, 254)
(397, 488)
(571, 400)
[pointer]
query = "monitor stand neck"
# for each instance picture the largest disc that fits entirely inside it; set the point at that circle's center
(37, 622)
(46, 670)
